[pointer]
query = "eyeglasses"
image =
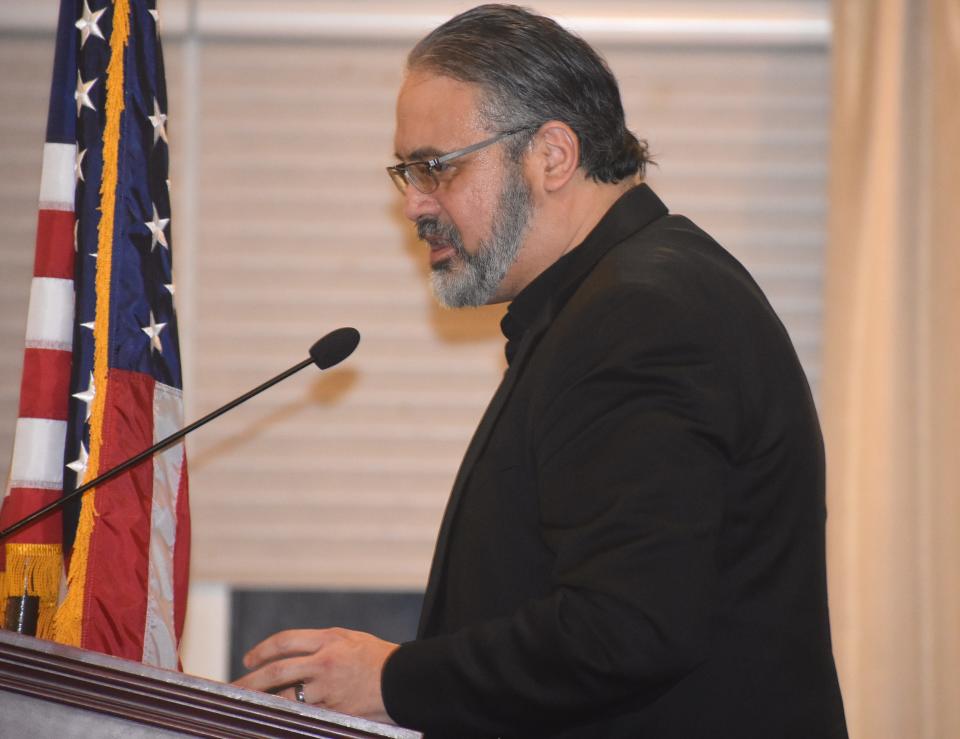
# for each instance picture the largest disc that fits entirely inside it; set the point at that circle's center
(423, 175)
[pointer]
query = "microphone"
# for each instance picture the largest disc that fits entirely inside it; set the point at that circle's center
(325, 353)
(334, 347)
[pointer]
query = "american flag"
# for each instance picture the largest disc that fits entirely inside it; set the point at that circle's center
(101, 372)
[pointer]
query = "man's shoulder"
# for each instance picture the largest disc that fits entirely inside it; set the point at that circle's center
(669, 265)
(666, 289)
(669, 249)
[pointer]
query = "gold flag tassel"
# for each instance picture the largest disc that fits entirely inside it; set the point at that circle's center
(35, 570)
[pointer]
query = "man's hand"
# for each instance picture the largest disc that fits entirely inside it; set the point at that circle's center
(339, 669)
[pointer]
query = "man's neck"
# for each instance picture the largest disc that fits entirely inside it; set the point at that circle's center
(558, 225)
(588, 209)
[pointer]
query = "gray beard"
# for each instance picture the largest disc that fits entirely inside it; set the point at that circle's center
(472, 279)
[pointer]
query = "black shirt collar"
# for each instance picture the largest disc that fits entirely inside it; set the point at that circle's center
(529, 302)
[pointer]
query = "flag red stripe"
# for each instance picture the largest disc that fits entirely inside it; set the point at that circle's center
(21, 503)
(45, 384)
(119, 547)
(55, 254)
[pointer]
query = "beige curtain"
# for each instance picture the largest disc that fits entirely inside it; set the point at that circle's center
(891, 387)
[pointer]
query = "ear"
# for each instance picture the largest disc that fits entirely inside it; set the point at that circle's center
(556, 159)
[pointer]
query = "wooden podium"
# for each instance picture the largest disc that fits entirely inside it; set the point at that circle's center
(56, 692)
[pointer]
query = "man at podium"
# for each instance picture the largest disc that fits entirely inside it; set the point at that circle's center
(634, 544)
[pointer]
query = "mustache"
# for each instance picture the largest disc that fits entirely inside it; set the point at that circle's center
(431, 228)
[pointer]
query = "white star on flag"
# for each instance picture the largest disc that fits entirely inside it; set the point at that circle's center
(159, 122)
(82, 95)
(88, 325)
(78, 167)
(153, 331)
(87, 396)
(156, 227)
(88, 23)
(79, 465)
(171, 288)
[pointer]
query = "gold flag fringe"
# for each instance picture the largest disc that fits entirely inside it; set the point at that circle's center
(68, 622)
(40, 566)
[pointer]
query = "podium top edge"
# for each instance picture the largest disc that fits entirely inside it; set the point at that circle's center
(105, 683)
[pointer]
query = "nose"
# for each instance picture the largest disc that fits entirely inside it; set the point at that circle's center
(417, 204)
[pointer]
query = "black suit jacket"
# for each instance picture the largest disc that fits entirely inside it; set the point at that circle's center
(634, 544)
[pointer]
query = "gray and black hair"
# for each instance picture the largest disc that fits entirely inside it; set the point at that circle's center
(532, 71)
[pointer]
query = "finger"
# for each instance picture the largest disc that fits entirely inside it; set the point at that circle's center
(290, 693)
(298, 693)
(291, 643)
(276, 675)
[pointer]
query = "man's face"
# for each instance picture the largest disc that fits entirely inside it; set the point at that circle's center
(475, 221)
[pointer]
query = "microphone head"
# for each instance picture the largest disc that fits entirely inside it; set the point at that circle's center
(334, 347)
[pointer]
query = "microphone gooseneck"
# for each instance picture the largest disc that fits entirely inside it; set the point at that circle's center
(325, 353)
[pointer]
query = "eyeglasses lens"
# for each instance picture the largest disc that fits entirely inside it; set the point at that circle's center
(420, 176)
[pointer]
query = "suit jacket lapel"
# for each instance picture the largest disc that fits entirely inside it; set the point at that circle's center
(474, 450)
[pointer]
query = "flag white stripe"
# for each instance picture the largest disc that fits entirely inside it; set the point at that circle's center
(159, 638)
(50, 314)
(38, 454)
(58, 178)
